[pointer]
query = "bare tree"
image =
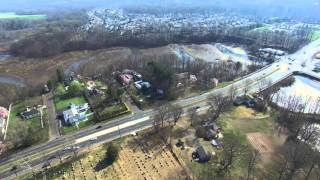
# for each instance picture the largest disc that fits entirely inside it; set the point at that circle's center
(218, 103)
(176, 113)
(156, 122)
(232, 149)
(192, 115)
(296, 154)
(247, 87)
(252, 160)
(232, 93)
(164, 113)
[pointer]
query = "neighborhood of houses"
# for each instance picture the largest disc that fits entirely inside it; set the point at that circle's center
(80, 101)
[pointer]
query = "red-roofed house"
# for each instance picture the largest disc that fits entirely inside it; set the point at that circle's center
(3, 112)
(126, 78)
(3, 117)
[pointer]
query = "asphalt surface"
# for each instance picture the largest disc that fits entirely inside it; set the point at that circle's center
(274, 73)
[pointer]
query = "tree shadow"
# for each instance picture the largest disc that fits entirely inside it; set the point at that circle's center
(103, 164)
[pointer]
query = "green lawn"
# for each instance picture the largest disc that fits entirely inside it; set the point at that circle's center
(81, 125)
(110, 112)
(62, 104)
(23, 133)
(12, 15)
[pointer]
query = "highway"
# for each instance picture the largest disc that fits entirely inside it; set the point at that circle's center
(36, 156)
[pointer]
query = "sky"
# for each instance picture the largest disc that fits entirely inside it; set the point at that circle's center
(303, 8)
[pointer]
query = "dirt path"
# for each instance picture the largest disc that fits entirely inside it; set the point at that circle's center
(129, 102)
(53, 121)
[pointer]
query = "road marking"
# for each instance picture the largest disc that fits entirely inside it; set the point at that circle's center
(110, 130)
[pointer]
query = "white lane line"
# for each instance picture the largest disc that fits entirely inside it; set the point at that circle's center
(110, 130)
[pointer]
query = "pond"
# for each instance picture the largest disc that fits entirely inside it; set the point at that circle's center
(4, 57)
(211, 53)
(5, 79)
(304, 91)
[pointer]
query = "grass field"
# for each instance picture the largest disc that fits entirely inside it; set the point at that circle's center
(19, 128)
(62, 104)
(12, 15)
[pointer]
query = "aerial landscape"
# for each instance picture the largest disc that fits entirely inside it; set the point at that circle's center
(152, 90)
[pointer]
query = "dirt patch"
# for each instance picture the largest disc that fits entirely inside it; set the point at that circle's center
(260, 142)
(266, 145)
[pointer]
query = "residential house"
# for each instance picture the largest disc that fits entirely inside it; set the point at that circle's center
(136, 75)
(201, 154)
(126, 78)
(30, 113)
(76, 113)
(185, 79)
(215, 82)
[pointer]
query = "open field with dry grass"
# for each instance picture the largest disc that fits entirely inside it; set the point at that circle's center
(143, 157)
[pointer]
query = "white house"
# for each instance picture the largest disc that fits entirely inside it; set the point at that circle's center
(76, 113)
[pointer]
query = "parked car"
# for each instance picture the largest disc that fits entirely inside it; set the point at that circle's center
(216, 143)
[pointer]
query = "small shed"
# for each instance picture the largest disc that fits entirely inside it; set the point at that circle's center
(202, 154)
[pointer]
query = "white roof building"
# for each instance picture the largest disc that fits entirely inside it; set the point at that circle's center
(76, 113)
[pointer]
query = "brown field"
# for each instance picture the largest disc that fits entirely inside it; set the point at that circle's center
(36, 71)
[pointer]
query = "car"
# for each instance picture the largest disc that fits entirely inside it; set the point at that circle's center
(94, 139)
(76, 147)
(98, 127)
(67, 148)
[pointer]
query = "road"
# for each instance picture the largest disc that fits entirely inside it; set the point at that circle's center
(111, 130)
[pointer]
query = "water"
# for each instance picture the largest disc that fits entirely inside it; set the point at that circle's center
(4, 57)
(5, 79)
(211, 53)
(304, 91)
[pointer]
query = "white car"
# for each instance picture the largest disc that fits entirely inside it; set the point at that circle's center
(76, 147)
(67, 148)
(94, 139)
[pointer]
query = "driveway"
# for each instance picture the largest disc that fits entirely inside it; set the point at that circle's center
(53, 121)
